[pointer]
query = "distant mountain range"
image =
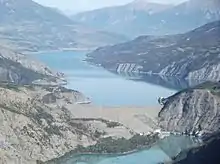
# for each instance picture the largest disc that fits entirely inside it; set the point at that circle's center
(26, 25)
(145, 18)
(193, 55)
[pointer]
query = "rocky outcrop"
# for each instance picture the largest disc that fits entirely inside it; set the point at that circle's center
(193, 55)
(193, 110)
(38, 123)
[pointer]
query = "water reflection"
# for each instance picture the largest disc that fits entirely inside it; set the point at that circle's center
(165, 81)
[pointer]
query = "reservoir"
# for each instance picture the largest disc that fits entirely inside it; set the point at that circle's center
(100, 85)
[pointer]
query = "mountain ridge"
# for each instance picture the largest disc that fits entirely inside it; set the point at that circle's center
(165, 19)
(193, 55)
(27, 25)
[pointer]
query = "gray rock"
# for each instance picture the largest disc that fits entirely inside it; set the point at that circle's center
(192, 110)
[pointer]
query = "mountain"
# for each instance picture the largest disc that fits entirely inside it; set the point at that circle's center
(144, 18)
(129, 19)
(193, 55)
(27, 25)
(195, 110)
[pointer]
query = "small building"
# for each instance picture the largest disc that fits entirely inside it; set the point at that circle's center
(158, 131)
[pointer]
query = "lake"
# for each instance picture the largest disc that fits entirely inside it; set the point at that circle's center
(101, 86)
(110, 89)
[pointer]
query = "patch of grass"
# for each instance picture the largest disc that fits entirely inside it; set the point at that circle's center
(110, 124)
(10, 86)
(117, 146)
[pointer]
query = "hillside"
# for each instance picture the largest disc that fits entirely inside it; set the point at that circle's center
(38, 123)
(144, 18)
(26, 25)
(19, 69)
(191, 111)
(193, 55)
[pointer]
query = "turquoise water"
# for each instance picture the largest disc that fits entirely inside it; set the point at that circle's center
(161, 152)
(103, 87)
(152, 156)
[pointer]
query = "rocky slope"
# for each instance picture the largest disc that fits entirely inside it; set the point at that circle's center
(36, 124)
(19, 69)
(26, 25)
(193, 55)
(194, 109)
(145, 18)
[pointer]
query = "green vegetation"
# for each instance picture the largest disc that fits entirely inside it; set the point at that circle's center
(122, 145)
(10, 86)
(110, 146)
(110, 124)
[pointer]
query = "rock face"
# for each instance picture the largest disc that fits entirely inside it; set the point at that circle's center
(141, 17)
(38, 123)
(195, 110)
(27, 26)
(193, 55)
(19, 69)
(191, 110)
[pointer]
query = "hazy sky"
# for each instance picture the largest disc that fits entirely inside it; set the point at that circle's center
(82, 5)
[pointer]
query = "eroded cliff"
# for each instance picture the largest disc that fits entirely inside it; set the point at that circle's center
(192, 110)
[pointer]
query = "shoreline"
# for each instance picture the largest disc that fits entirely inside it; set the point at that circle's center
(59, 50)
(148, 142)
(117, 154)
